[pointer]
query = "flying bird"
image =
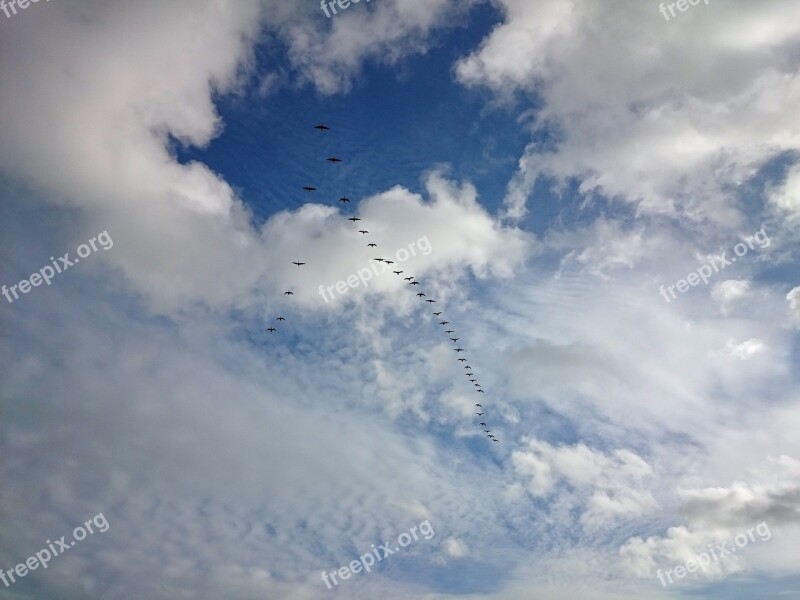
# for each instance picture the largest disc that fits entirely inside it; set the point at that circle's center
(271, 329)
(479, 406)
(481, 391)
(299, 264)
(397, 272)
(333, 160)
(288, 293)
(458, 349)
(378, 259)
(343, 199)
(363, 231)
(353, 219)
(420, 295)
(455, 339)
(473, 380)
(321, 127)
(372, 245)
(309, 188)
(280, 319)
(408, 278)
(431, 301)
(444, 323)
(415, 283)
(462, 360)
(389, 262)
(436, 314)
(495, 440)
(481, 423)
(449, 331)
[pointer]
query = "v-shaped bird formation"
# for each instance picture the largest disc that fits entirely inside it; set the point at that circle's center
(411, 281)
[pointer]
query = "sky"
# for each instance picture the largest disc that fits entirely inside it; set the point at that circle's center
(603, 199)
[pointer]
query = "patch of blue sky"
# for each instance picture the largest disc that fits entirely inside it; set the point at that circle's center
(394, 125)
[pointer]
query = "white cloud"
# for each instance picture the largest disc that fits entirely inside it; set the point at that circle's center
(661, 115)
(725, 293)
(720, 514)
(605, 486)
(744, 350)
(793, 299)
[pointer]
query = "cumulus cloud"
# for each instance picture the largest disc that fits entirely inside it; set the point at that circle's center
(737, 515)
(661, 115)
(726, 293)
(605, 486)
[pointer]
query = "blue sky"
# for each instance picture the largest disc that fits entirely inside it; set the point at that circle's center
(556, 166)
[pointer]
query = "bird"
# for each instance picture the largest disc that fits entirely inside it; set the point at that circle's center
(271, 329)
(321, 127)
(408, 278)
(353, 219)
(415, 283)
(481, 423)
(333, 160)
(299, 264)
(470, 375)
(455, 339)
(473, 380)
(436, 314)
(444, 323)
(389, 262)
(467, 367)
(431, 301)
(479, 406)
(397, 272)
(449, 331)
(488, 431)
(362, 231)
(420, 294)
(458, 349)
(462, 360)
(344, 199)
(378, 259)
(495, 440)
(309, 188)
(280, 319)
(372, 245)
(288, 293)
(481, 391)
(477, 384)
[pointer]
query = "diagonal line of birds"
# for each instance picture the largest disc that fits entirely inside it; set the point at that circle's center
(412, 281)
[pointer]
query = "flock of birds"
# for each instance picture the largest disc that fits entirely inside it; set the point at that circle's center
(412, 281)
